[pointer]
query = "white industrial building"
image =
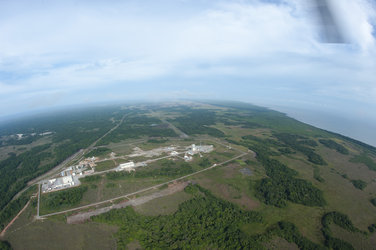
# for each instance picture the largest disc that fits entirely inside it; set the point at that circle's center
(58, 183)
(174, 153)
(193, 149)
(65, 181)
(126, 166)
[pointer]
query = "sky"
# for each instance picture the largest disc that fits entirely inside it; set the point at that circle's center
(270, 53)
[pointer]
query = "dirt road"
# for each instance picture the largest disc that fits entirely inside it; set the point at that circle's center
(15, 218)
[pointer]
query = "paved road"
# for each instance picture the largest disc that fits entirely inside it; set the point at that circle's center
(172, 126)
(75, 156)
(38, 201)
(68, 160)
(178, 131)
(142, 190)
(81, 217)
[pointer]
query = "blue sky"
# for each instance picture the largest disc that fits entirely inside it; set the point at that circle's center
(55, 53)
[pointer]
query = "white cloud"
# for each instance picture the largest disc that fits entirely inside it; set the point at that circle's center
(89, 45)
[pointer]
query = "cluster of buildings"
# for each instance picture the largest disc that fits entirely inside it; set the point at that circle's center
(194, 149)
(67, 178)
(89, 162)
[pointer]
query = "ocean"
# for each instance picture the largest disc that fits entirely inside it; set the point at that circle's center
(358, 128)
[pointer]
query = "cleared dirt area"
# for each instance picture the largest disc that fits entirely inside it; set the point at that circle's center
(81, 217)
(168, 204)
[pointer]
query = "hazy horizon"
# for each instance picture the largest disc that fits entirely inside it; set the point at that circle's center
(270, 53)
(359, 129)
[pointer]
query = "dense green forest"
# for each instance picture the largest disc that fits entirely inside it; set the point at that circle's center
(359, 184)
(98, 152)
(372, 228)
(197, 122)
(282, 184)
(221, 221)
(4, 245)
(136, 125)
(72, 131)
(67, 197)
(13, 207)
(334, 145)
(16, 171)
(373, 201)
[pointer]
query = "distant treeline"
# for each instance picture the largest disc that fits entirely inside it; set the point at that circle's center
(300, 143)
(366, 160)
(363, 145)
(334, 145)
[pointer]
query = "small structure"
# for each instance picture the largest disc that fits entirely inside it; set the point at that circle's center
(187, 157)
(129, 166)
(174, 153)
(246, 171)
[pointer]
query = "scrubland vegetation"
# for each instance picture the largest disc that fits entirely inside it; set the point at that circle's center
(292, 173)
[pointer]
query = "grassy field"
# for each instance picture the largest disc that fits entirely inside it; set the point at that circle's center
(104, 189)
(54, 233)
(17, 149)
(105, 165)
(59, 235)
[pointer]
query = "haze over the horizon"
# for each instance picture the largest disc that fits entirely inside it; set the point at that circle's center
(56, 53)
